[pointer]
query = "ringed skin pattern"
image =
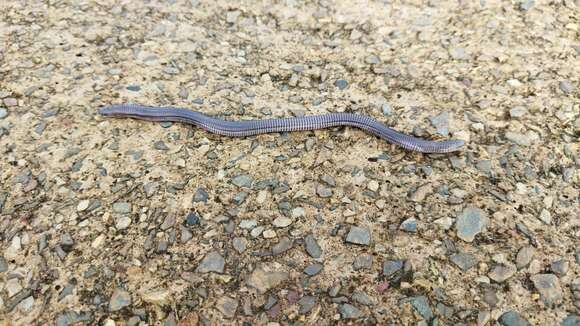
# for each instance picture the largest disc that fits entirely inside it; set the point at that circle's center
(255, 127)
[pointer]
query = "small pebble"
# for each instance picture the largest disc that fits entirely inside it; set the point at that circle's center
(282, 246)
(123, 222)
(521, 139)
(362, 298)
(341, 84)
(263, 280)
(227, 306)
(560, 267)
(525, 256)
(240, 244)
(312, 246)
(441, 123)
(373, 185)
(10, 101)
(471, 222)
(464, 261)
(298, 212)
(257, 231)
(3, 113)
(484, 166)
(282, 222)
(420, 193)
(212, 262)
(83, 205)
(359, 235)
(269, 234)
(372, 59)
(248, 224)
(566, 86)
(192, 219)
(409, 225)
(348, 311)
(168, 222)
(386, 109)
(122, 208)
(243, 181)
(364, 261)
(490, 297)
(545, 216)
(458, 54)
(421, 305)
(200, 195)
(549, 287)
(390, 267)
(571, 320)
(66, 241)
(306, 303)
(512, 318)
(323, 191)
(313, 269)
(502, 272)
(518, 112)
(119, 300)
(12, 287)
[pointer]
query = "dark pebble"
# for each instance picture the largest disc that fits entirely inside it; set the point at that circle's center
(560, 267)
(512, 318)
(306, 304)
(60, 252)
(421, 305)
(364, 261)
(160, 145)
(362, 298)
(91, 271)
(313, 269)
(134, 88)
(571, 320)
(443, 310)
(333, 291)
(284, 245)
(312, 246)
(391, 267)
(409, 225)
(192, 219)
(200, 196)
(66, 291)
(341, 84)
(162, 247)
(240, 197)
(348, 311)
(464, 261)
(70, 317)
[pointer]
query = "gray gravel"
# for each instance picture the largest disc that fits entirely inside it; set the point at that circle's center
(212, 262)
(119, 300)
(471, 222)
(120, 221)
(359, 235)
(312, 247)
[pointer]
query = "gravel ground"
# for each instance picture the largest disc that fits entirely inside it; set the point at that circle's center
(112, 222)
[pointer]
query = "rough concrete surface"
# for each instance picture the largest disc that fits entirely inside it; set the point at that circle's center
(125, 222)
